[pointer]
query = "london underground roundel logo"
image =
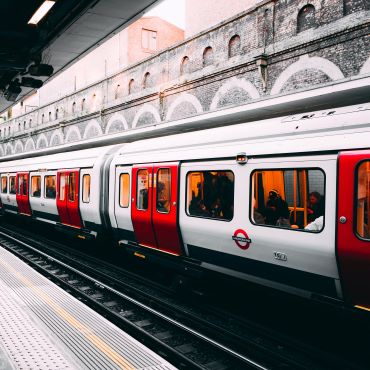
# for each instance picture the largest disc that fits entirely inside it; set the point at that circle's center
(241, 239)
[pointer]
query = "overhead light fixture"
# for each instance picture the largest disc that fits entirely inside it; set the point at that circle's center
(41, 12)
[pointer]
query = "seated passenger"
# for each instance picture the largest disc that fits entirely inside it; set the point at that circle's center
(316, 225)
(315, 207)
(197, 206)
(50, 192)
(216, 209)
(36, 193)
(276, 208)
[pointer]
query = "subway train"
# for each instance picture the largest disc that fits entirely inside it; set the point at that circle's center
(283, 202)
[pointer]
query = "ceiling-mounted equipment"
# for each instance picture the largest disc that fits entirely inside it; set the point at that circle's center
(41, 70)
(31, 82)
(12, 91)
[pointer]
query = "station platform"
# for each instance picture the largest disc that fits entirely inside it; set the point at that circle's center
(43, 327)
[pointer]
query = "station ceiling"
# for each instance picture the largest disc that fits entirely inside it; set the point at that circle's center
(66, 33)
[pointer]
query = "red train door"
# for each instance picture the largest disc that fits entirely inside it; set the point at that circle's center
(164, 213)
(22, 195)
(142, 199)
(68, 197)
(154, 206)
(353, 225)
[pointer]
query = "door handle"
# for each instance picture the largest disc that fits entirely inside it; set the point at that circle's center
(42, 205)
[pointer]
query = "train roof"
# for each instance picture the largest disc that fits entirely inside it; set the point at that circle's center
(75, 159)
(329, 130)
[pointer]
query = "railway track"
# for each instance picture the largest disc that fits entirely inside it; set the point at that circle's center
(184, 335)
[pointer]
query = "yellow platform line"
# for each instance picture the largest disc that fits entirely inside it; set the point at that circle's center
(75, 323)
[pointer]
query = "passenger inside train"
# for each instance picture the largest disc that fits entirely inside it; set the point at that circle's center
(4, 184)
(50, 188)
(142, 190)
(295, 199)
(212, 194)
(163, 191)
(36, 186)
(12, 187)
(315, 207)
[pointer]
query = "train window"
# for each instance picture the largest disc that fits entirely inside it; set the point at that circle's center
(163, 190)
(363, 200)
(22, 185)
(24, 180)
(63, 183)
(86, 180)
(72, 187)
(142, 190)
(36, 186)
(124, 190)
(291, 198)
(50, 188)
(12, 186)
(4, 184)
(20, 182)
(210, 194)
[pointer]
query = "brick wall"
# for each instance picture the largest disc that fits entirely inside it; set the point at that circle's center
(204, 14)
(333, 48)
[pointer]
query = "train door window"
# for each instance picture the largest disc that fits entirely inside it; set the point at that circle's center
(63, 183)
(4, 184)
(86, 181)
(20, 183)
(24, 180)
(142, 190)
(210, 194)
(12, 186)
(72, 187)
(50, 188)
(124, 190)
(363, 200)
(36, 186)
(290, 198)
(163, 190)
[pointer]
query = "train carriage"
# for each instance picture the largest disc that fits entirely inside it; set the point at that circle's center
(283, 202)
(61, 189)
(296, 156)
